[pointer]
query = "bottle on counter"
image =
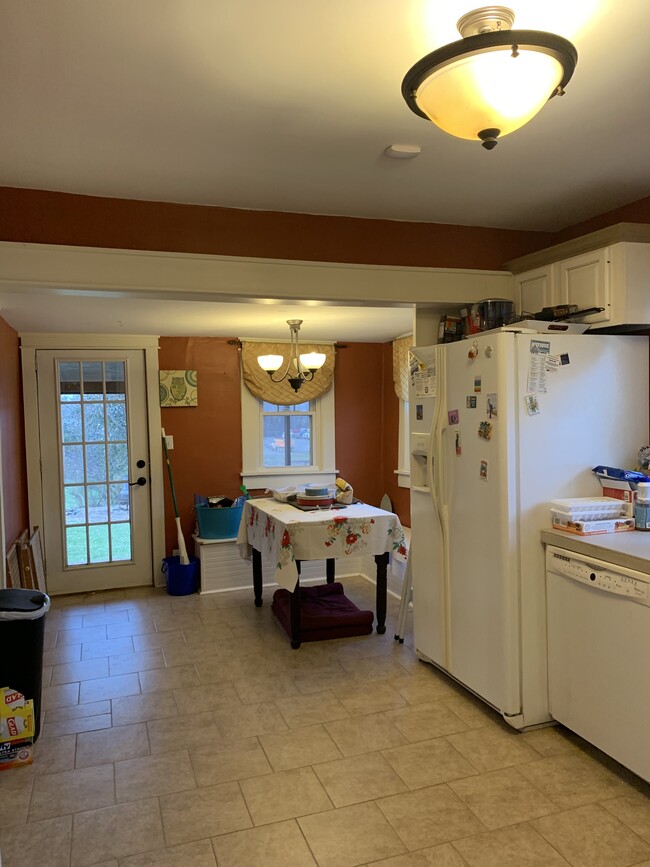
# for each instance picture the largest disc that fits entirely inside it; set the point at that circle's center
(642, 506)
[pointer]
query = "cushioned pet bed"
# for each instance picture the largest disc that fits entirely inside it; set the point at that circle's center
(325, 612)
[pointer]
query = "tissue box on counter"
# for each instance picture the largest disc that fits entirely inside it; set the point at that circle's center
(617, 488)
(620, 484)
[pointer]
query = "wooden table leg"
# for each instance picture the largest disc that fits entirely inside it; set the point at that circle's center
(330, 566)
(382, 565)
(295, 616)
(257, 577)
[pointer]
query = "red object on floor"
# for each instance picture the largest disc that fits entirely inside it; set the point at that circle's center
(325, 612)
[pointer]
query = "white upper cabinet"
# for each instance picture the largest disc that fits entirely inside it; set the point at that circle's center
(614, 276)
(585, 280)
(534, 290)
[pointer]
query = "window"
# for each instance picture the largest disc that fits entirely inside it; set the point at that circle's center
(287, 445)
(287, 435)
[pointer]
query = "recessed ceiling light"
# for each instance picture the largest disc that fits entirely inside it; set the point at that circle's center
(402, 151)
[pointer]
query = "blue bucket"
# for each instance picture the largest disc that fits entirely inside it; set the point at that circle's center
(181, 580)
(218, 523)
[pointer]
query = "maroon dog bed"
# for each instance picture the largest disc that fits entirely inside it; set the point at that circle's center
(325, 612)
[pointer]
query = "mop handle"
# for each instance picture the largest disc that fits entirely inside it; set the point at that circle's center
(169, 472)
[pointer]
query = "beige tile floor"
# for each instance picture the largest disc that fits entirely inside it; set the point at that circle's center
(185, 732)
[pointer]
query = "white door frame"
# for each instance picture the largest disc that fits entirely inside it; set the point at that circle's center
(29, 343)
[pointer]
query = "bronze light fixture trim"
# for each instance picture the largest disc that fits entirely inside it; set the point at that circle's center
(448, 85)
(306, 364)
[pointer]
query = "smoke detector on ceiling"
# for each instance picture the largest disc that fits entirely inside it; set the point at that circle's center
(402, 151)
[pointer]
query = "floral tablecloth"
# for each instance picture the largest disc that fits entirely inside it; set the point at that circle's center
(287, 534)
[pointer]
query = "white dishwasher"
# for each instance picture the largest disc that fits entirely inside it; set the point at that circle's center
(598, 623)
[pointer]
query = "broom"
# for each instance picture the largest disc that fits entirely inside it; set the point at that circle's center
(182, 550)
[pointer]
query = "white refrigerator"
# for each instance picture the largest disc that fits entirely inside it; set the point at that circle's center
(500, 425)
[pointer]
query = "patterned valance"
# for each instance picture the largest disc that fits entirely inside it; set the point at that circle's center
(401, 348)
(259, 383)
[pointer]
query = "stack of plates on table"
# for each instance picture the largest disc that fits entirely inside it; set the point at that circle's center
(317, 491)
(306, 499)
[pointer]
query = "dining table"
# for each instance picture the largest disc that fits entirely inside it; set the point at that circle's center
(288, 534)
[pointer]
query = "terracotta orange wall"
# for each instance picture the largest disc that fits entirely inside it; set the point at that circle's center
(45, 217)
(207, 455)
(12, 432)
(635, 212)
(38, 216)
(359, 419)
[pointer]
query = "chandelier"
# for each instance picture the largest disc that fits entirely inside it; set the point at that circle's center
(493, 80)
(304, 366)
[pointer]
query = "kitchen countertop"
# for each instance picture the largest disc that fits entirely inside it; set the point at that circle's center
(630, 549)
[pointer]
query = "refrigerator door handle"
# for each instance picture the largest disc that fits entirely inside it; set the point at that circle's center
(436, 489)
(433, 451)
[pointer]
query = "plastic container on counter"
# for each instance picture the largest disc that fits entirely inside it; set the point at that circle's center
(588, 508)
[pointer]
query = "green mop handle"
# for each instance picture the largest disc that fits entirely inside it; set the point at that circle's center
(169, 472)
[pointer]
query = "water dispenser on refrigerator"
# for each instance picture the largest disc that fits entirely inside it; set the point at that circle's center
(419, 460)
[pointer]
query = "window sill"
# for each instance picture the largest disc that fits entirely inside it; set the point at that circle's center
(274, 476)
(403, 478)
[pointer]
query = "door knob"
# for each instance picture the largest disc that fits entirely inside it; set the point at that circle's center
(140, 482)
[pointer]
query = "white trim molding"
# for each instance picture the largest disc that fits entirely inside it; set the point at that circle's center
(29, 344)
(255, 475)
(50, 268)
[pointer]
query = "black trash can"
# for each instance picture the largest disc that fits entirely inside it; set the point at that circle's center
(22, 626)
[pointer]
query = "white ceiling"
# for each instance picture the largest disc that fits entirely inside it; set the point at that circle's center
(64, 314)
(289, 105)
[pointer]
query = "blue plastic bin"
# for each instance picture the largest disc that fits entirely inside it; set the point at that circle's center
(218, 523)
(181, 580)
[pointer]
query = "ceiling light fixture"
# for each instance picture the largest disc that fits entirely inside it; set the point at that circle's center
(305, 365)
(493, 80)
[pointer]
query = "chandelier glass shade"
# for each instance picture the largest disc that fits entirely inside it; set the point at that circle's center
(491, 82)
(305, 365)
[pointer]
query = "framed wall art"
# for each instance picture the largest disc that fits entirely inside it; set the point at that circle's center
(178, 388)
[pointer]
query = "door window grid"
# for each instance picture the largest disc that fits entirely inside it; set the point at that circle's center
(94, 458)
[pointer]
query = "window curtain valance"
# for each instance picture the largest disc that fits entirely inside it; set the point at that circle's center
(401, 374)
(259, 382)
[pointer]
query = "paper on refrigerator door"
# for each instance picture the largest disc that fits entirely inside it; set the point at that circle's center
(539, 352)
(423, 379)
(423, 371)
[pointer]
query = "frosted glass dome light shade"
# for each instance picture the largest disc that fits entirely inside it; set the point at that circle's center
(313, 360)
(270, 363)
(305, 363)
(489, 84)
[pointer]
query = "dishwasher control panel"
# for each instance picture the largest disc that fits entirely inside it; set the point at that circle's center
(598, 575)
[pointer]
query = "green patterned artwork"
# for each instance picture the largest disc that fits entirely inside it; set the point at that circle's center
(178, 388)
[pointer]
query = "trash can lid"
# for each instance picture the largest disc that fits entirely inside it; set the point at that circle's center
(17, 600)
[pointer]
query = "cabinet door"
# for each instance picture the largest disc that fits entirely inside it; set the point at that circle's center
(585, 280)
(534, 290)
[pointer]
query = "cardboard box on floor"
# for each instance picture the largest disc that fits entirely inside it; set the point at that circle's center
(16, 728)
